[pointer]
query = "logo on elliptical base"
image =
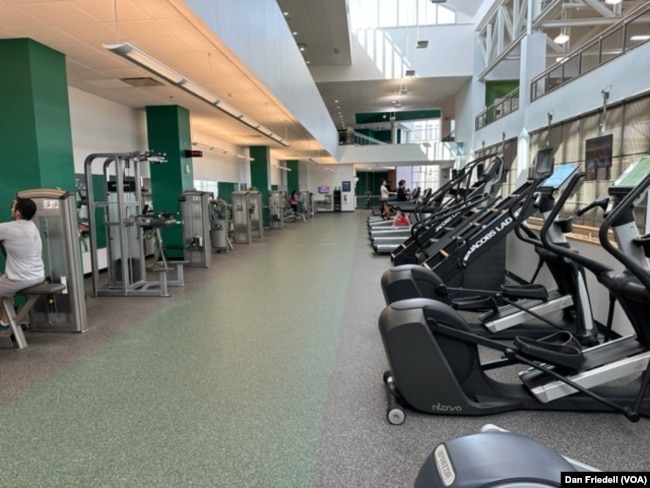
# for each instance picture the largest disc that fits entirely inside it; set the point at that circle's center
(439, 407)
(443, 463)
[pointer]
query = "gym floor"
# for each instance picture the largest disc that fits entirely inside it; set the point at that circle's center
(264, 371)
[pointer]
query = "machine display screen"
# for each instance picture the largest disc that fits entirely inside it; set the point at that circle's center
(561, 174)
(323, 189)
(634, 174)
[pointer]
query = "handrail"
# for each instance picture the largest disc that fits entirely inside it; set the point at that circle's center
(498, 109)
(556, 75)
(363, 139)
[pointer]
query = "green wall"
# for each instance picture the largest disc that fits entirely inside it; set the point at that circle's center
(260, 178)
(498, 89)
(168, 130)
(369, 181)
(293, 177)
(35, 130)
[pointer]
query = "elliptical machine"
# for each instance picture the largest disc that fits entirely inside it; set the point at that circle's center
(434, 360)
(514, 309)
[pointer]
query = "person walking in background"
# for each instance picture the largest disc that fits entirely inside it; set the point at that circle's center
(385, 196)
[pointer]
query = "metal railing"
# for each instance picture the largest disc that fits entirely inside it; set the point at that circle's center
(500, 108)
(618, 39)
(359, 139)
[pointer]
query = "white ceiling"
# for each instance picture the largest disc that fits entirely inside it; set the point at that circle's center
(168, 30)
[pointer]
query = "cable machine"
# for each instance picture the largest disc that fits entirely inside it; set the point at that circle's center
(56, 220)
(123, 223)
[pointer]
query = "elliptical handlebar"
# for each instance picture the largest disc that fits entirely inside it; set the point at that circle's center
(601, 202)
(592, 265)
(616, 212)
(519, 219)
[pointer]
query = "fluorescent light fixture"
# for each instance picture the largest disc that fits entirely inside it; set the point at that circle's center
(200, 92)
(640, 37)
(561, 38)
(141, 58)
(148, 62)
(612, 2)
(282, 168)
(218, 150)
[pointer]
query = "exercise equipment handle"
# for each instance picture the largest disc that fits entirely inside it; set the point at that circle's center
(601, 202)
(592, 265)
(603, 237)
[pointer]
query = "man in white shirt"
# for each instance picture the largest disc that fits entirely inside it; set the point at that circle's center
(23, 250)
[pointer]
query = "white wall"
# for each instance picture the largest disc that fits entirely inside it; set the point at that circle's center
(622, 77)
(257, 33)
(101, 126)
(386, 53)
(214, 166)
(312, 176)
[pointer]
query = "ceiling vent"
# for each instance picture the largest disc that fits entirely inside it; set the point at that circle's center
(409, 72)
(141, 82)
(422, 44)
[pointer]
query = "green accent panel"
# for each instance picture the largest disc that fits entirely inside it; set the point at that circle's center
(225, 190)
(260, 177)
(35, 131)
(369, 181)
(379, 117)
(293, 178)
(498, 89)
(168, 129)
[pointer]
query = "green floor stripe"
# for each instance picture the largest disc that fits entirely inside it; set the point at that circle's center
(226, 388)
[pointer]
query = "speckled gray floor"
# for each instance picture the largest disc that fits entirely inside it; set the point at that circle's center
(264, 371)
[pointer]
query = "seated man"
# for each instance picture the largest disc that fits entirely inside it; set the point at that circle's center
(22, 246)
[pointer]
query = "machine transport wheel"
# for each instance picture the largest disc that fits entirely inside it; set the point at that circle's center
(394, 412)
(395, 415)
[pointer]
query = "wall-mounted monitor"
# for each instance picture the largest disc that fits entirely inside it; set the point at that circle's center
(544, 161)
(323, 189)
(598, 156)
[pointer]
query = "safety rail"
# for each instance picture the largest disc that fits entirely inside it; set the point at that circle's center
(500, 108)
(628, 33)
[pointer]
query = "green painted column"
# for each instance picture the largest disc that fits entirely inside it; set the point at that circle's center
(35, 130)
(260, 177)
(168, 131)
(293, 177)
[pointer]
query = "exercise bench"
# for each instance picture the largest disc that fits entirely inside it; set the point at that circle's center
(16, 316)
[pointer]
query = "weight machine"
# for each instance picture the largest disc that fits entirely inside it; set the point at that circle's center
(119, 212)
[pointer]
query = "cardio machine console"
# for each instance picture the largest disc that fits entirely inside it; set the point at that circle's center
(560, 176)
(631, 177)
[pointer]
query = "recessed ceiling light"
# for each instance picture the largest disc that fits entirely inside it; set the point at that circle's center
(294, 33)
(286, 14)
(302, 46)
